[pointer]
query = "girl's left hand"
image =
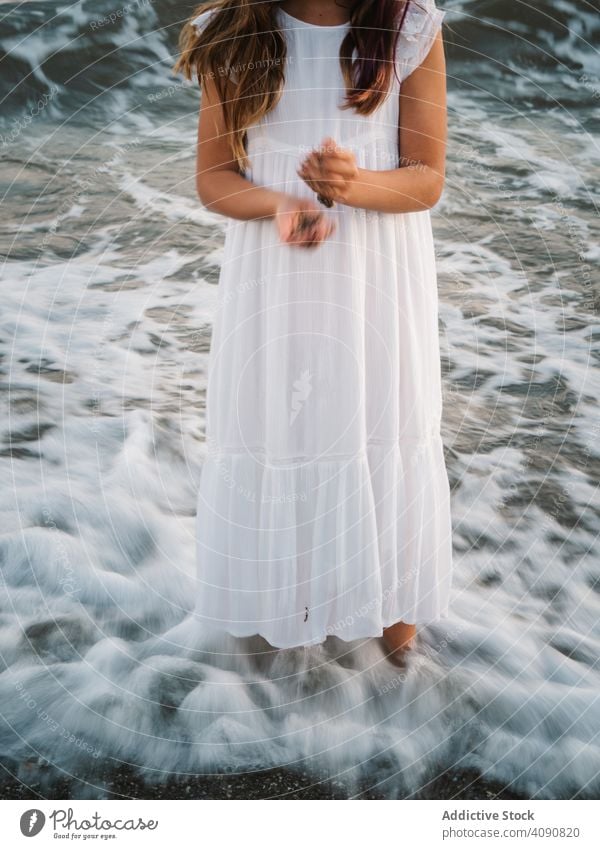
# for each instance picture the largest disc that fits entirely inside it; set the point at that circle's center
(330, 171)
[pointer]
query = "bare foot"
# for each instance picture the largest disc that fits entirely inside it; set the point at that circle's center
(398, 639)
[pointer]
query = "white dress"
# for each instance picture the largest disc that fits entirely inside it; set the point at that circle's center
(323, 504)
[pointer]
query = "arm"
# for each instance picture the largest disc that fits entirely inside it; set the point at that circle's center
(419, 181)
(220, 186)
(417, 184)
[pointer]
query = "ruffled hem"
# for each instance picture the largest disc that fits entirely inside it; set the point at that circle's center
(346, 636)
(336, 546)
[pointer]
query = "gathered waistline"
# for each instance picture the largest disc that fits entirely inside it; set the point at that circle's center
(258, 140)
(410, 442)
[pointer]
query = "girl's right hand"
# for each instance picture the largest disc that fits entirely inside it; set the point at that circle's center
(302, 222)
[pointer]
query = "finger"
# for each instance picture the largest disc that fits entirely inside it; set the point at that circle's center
(298, 230)
(338, 153)
(305, 240)
(312, 233)
(347, 169)
(285, 228)
(329, 145)
(329, 228)
(318, 187)
(327, 171)
(341, 153)
(311, 180)
(328, 190)
(337, 171)
(305, 227)
(312, 177)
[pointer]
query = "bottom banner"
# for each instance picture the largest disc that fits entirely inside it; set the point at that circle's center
(273, 823)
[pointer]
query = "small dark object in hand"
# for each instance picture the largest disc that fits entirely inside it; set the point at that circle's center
(325, 201)
(306, 220)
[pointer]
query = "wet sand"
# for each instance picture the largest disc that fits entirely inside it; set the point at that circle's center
(123, 783)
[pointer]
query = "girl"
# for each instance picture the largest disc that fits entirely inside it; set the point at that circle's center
(323, 506)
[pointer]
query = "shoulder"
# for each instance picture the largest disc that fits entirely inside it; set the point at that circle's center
(421, 15)
(421, 23)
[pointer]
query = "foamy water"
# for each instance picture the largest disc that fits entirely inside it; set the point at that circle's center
(107, 297)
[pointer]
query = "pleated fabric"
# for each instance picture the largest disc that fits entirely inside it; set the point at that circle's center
(323, 504)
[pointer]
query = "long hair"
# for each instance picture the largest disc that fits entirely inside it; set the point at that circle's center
(245, 38)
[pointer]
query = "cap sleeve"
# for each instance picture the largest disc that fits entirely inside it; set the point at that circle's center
(200, 21)
(421, 24)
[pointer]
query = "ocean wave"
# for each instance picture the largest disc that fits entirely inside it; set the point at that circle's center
(86, 53)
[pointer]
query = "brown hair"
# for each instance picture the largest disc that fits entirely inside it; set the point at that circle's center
(245, 35)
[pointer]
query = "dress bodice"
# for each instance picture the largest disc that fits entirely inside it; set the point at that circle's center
(310, 107)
